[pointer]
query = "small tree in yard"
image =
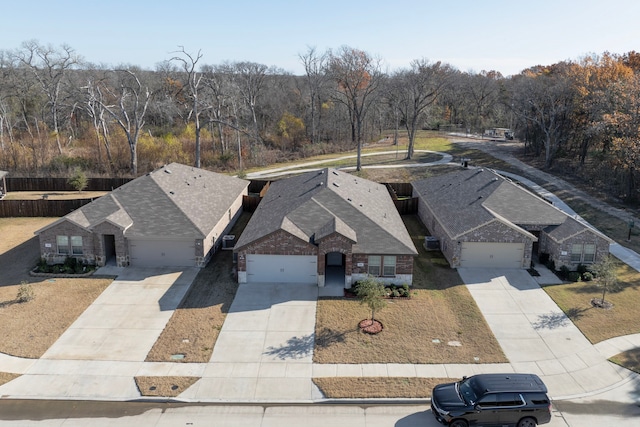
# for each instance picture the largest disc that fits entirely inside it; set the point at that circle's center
(78, 180)
(606, 276)
(371, 293)
(25, 292)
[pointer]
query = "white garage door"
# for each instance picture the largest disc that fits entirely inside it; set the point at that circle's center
(501, 255)
(282, 269)
(162, 253)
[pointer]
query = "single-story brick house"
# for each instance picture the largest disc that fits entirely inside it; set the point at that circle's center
(173, 216)
(325, 223)
(482, 219)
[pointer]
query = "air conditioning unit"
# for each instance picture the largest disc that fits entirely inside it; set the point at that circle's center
(228, 242)
(431, 243)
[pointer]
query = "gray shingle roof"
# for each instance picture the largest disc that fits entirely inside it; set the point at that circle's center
(469, 198)
(172, 201)
(321, 202)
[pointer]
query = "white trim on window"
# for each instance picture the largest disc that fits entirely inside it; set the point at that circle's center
(62, 242)
(389, 266)
(76, 245)
(374, 263)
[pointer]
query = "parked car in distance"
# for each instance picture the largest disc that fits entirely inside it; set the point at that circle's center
(492, 400)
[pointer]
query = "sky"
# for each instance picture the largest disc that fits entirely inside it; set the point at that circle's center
(471, 35)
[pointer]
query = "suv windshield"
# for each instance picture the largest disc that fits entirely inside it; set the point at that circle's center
(466, 391)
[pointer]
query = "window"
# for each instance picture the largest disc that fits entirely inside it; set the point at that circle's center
(63, 244)
(576, 253)
(589, 252)
(374, 265)
(583, 253)
(76, 245)
(389, 266)
(382, 265)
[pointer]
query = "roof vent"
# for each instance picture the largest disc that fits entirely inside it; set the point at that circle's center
(322, 172)
(167, 171)
(335, 173)
(336, 184)
(171, 192)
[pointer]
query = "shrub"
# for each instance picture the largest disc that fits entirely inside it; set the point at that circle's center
(581, 269)
(42, 266)
(587, 276)
(573, 276)
(70, 265)
(564, 272)
(25, 292)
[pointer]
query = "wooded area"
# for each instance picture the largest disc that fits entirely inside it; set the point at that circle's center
(58, 112)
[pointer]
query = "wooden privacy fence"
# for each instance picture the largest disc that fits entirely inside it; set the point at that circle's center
(406, 206)
(400, 193)
(39, 208)
(60, 184)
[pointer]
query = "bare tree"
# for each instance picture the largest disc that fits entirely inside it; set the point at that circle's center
(315, 69)
(544, 99)
(193, 80)
(415, 90)
(94, 106)
(250, 77)
(131, 99)
(357, 76)
(49, 67)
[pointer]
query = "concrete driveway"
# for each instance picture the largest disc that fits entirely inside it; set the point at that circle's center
(125, 321)
(265, 348)
(535, 335)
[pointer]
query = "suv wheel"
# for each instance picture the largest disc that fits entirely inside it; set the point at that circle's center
(459, 423)
(527, 422)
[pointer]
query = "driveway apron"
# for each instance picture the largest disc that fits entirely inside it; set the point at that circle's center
(535, 335)
(265, 348)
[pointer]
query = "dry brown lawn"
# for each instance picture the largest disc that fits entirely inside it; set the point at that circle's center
(5, 377)
(416, 330)
(599, 324)
(629, 359)
(29, 328)
(194, 327)
(164, 386)
(374, 388)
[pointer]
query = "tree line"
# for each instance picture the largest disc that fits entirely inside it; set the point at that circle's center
(58, 112)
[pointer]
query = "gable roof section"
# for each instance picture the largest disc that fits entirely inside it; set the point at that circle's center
(324, 201)
(175, 200)
(569, 229)
(469, 198)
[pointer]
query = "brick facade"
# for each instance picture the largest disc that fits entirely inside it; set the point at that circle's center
(494, 231)
(49, 245)
(560, 253)
(278, 243)
(283, 243)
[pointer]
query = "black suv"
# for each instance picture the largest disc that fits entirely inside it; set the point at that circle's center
(492, 399)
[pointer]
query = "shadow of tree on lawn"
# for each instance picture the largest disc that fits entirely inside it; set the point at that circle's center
(327, 337)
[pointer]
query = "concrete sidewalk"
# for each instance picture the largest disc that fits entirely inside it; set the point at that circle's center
(264, 351)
